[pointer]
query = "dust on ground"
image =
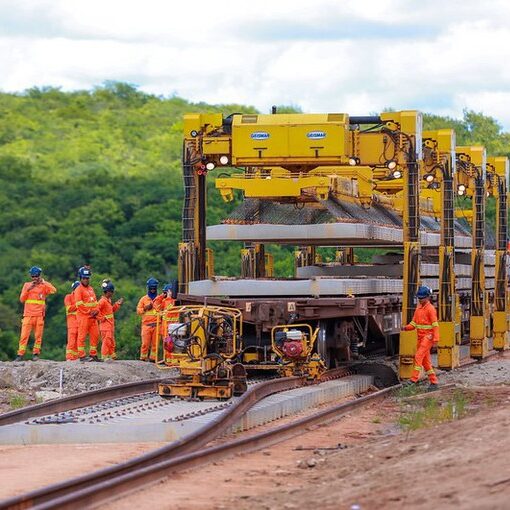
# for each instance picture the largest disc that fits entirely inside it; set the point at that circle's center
(27, 382)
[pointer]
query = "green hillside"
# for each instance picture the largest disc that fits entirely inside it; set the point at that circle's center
(94, 177)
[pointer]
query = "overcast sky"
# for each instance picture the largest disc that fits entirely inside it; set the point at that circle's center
(356, 56)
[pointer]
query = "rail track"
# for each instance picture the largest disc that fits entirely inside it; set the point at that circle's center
(89, 398)
(70, 493)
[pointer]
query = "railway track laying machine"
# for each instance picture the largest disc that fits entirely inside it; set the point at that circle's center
(331, 186)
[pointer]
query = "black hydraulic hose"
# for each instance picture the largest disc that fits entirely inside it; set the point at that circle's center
(365, 119)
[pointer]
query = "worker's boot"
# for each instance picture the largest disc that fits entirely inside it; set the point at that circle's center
(433, 387)
(18, 358)
(35, 357)
(95, 358)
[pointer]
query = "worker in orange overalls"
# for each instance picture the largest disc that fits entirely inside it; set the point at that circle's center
(33, 295)
(170, 314)
(87, 308)
(107, 310)
(148, 308)
(425, 322)
(72, 325)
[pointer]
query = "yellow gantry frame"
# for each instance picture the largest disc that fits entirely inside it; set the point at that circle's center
(471, 173)
(439, 166)
(498, 186)
(307, 157)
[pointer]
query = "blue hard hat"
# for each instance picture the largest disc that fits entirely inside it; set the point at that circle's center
(423, 292)
(35, 271)
(75, 284)
(152, 282)
(167, 287)
(84, 272)
(107, 286)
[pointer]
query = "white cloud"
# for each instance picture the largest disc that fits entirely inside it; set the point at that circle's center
(359, 56)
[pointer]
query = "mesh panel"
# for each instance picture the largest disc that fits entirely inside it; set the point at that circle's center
(252, 211)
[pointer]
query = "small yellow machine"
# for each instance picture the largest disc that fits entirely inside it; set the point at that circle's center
(204, 344)
(294, 345)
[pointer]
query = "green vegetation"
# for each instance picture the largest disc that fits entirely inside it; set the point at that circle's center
(17, 401)
(432, 411)
(94, 177)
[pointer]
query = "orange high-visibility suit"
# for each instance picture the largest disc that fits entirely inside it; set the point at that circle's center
(425, 322)
(86, 305)
(107, 326)
(72, 327)
(170, 314)
(34, 298)
(149, 325)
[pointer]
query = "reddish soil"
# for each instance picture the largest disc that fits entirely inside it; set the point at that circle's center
(24, 468)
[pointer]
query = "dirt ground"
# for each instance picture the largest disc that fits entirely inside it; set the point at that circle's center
(365, 458)
(32, 466)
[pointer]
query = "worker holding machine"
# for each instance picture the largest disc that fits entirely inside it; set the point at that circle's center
(148, 308)
(426, 324)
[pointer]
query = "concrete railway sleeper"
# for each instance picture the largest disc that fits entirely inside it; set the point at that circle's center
(89, 398)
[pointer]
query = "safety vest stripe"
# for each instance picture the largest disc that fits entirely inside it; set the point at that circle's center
(424, 326)
(109, 316)
(151, 312)
(35, 301)
(71, 313)
(413, 323)
(416, 367)
(435, 324)
(431, 371)
(90, 305)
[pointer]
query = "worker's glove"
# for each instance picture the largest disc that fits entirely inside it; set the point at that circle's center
(148, 307)
(120, 301)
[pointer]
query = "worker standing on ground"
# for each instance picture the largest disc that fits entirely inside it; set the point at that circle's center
(427, 326)
(148, 308)
(33, 296)
(170, 313)
(87, 308)
(106, 317)
(72, 324)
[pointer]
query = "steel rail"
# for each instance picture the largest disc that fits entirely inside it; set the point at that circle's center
(80, 400)
(184, 445)
(112, 488)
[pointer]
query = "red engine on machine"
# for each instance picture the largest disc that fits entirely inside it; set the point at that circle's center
(291, 343)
